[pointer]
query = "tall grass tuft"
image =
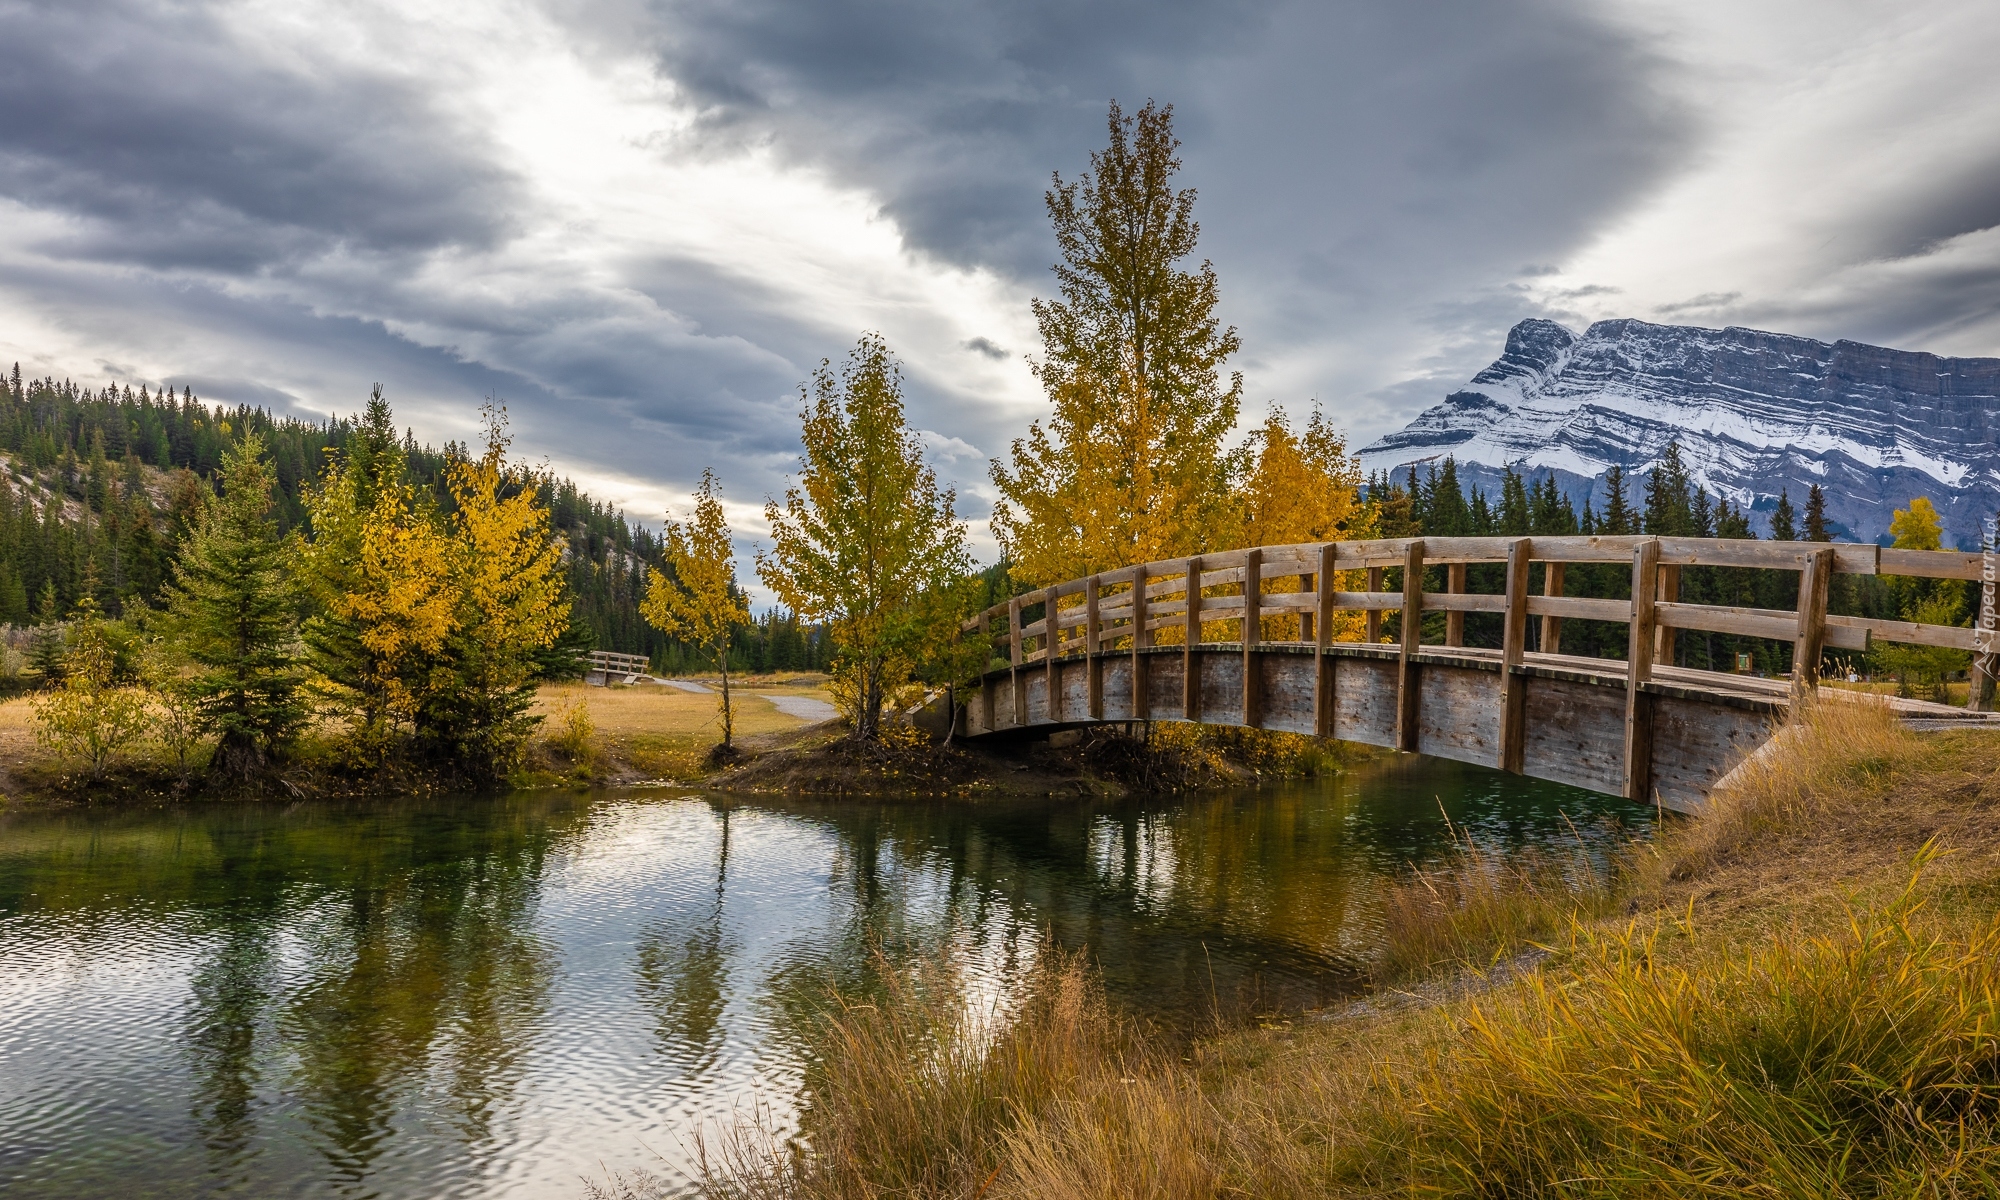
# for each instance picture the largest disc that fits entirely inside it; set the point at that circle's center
(1834, 750)
(1862, 1063)
(915, 1094)
(1480, 905)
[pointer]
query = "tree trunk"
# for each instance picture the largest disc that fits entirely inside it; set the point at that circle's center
(728, 721)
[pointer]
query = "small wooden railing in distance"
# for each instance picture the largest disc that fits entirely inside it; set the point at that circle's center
(1127, 610)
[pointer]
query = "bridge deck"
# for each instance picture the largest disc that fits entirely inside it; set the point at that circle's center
(1631, 727)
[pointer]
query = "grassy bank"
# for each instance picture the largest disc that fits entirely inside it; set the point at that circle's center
(589, 735)
(1797, 994)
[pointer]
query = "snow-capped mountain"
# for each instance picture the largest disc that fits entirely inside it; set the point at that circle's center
(1753, 412)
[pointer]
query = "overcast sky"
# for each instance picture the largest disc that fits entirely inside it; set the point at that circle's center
(642, 222)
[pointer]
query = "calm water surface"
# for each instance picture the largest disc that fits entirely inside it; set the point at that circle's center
(500, 998)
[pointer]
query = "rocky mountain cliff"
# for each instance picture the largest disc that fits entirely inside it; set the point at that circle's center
(1753, 412)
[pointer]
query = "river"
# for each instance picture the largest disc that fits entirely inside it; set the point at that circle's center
(504, 997)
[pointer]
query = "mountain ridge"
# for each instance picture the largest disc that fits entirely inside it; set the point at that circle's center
(1754, 413)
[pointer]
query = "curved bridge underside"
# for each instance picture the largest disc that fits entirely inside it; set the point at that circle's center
(1660, 734)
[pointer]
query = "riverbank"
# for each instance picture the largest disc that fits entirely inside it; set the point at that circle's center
(1795, 994)
(666, 733)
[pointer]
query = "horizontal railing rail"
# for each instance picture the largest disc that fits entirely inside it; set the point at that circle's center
(1128, 609)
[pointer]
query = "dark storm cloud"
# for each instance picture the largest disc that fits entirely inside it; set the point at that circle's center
(180, 148)
(1355, 161)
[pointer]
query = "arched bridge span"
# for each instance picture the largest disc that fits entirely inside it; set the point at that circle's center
(1291, 638)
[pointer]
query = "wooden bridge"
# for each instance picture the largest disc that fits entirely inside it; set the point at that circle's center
(1134, 645)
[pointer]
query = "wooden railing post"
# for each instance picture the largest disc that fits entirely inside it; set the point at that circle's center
(1253, 632)
(1191, 670)
(1552, 627)
(1019, 686)
(1639, 669)
(1051, 648)
(1513, 651)
(1413, 628)
(1322, 639)
(1454, 622)
(1664, 635)
(1815, 583)
(1142, 708)
(1093, 665)
(1371, 623)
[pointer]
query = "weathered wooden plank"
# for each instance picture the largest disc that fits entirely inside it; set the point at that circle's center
(1166, 685)
(1220, 679)
(1457, 606)
(1695, 744)
(1773, 623)
(1364, 710)
(1093, 664)
(1905, 631)
(1408, 697)
(1639, 668)
(1670, 592)
(1458, 716)
(1585, 607)
(1191, 626)
(1372, 623)
(1116, 685)
(1370, 602)
(1323, 682)
(1018, 686)
(1286, 683)
(1513, 651)
(1811, 640)
(1142, 637)
(1552, 588)
(1933, 564)
(1575, 734)
(1253, 582)
(1849, 558)
(1454, 617)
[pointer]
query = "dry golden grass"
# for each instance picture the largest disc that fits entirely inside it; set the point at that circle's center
(664, 732)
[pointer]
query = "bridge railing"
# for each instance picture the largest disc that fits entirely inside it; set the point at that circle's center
(1332, 591)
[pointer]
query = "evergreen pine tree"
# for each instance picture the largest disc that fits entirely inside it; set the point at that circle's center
(232, 607)
(1784, 525)
(1816, 530)
(1618, 517)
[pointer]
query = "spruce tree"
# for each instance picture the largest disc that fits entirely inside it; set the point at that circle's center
(1816, 530)
(232, 610)
(1784, 524)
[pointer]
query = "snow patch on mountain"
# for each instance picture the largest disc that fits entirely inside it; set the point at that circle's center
(1755, 413)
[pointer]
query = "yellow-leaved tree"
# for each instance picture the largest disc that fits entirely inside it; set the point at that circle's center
(1304, 487)
(512, 606)
(699, 601)
(866, 540)
(1922, 670)
(384, 572)
(88, 715)
(1131, 465)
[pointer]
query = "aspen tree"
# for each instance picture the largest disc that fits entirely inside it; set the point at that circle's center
(512, 604)
(1131, 465)
(699, 602)
(1304, 488)
(866, 540)
(382, 572)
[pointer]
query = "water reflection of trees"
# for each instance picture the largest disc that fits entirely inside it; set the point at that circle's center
(348, 956)
(682, 963)
(1245, 900)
